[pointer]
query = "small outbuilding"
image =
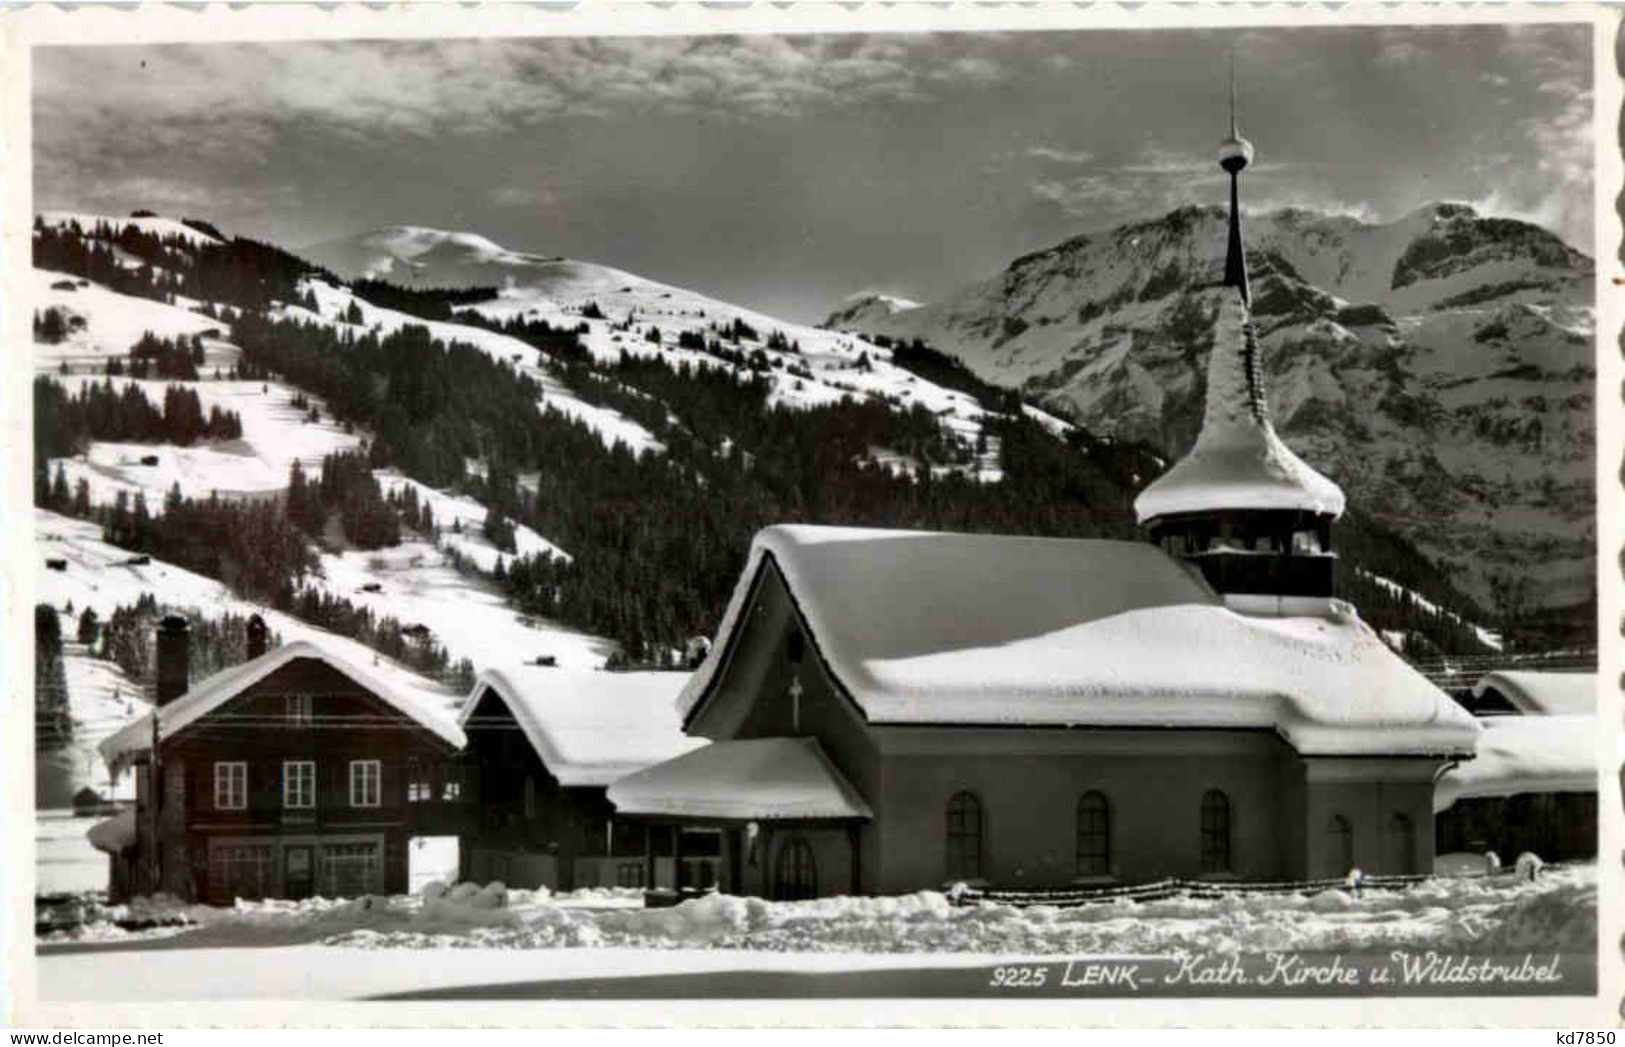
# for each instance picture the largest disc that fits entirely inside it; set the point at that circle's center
(1533, 783)
(546, 742)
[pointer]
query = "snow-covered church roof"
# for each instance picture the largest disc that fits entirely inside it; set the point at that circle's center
(589, 728)
(209, 694)
(920, 627)
(1542, 694)
(1238, 461)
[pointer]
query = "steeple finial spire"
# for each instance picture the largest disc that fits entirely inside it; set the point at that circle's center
(1235, 153)
(1232, 91)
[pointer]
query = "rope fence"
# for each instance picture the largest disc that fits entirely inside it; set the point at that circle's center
(1171, 887)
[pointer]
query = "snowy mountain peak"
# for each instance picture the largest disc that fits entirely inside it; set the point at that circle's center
(1437, 366)
(420, 255)
(857, 309)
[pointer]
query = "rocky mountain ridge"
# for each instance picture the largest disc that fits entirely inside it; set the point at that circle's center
(1439, 367)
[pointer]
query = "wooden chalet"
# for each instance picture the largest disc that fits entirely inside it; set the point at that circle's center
(290, 775)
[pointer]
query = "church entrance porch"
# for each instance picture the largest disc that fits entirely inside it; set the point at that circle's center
(769, 817)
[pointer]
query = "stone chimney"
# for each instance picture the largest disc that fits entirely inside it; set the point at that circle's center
(173, 636)
(257, 636)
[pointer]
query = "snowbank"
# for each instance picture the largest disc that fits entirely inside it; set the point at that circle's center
(1557, 912)
(114, 834)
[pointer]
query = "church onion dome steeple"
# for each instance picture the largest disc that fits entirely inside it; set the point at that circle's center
(1241, 506)
(1237, 462)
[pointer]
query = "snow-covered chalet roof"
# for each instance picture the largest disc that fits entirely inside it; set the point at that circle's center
(207, 695)
(1543, 694)
(589, 728)
(114, 835)
(1237, 462)
(920, 627)
(751, 779)
(1525, 754)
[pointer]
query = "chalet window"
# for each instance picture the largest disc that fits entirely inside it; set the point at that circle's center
(365, 776)
(451, 789)
(1341, 844)
(297, 710)
(629, 874)
(230, 786)
(419, 783)
(349, 869)
(1215, 832)
(964, 831)
(298, 783)
(239, 872)
(1305, 542)
(530, 797)
(1094, 835)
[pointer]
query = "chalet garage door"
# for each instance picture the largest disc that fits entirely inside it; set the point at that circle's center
(350, 869)
(239, 871)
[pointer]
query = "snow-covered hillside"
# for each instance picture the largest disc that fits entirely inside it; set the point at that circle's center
(1439, 367)
(416, 582)
(619, 310)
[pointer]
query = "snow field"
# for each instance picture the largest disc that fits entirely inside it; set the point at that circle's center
(115, 322)
(417, 585)
(100, 575)
(64, 860)
(275, 434)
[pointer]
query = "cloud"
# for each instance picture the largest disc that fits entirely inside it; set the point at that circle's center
(191, 95)
(524, 196)
(1059, 156)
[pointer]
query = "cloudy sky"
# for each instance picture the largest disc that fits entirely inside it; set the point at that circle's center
(786, 173)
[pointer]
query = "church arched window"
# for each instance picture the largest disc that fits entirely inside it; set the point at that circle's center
(1215, 832)
(964, 833)
(1094, 834)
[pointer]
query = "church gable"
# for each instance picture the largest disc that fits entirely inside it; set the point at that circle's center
(773, 679)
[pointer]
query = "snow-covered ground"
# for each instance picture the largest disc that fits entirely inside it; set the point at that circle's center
(114, 322)
(64, 860)
(99, 575)
(275, 434)
(419, 586)
(101, 699)
(358, 945)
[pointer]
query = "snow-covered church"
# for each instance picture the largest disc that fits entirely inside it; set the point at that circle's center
(894, 710)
